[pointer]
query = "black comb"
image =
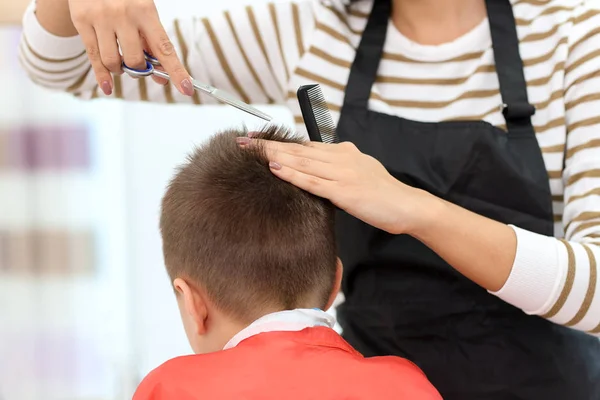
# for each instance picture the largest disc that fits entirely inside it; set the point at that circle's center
(315, 112)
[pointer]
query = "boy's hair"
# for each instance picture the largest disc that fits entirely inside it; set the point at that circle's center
(248, 238)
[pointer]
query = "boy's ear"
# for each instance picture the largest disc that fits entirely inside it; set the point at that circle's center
(193, 303)
(337, 284)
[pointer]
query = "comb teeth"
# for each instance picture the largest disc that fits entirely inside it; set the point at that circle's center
(317, 117)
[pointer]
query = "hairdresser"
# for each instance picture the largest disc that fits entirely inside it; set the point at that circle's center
(470, 177)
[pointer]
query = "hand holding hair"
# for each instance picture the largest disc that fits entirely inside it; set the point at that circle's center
(350, 179)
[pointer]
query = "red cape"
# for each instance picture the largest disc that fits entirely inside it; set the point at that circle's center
(315, 363)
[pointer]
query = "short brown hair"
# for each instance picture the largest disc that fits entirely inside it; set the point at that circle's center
(248, 238)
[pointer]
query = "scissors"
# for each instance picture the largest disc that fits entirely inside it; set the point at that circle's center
(218, 94)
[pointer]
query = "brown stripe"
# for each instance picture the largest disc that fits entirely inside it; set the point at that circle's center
(53, 72)
(593, 173)
(319, 79)
(593, 192)
(402, 58)
(544, 80)
(79, 81)
(554, 174)
(51, 60)
(588, 145)
(261, 43)
(558, 198)
(596, 330)
(558, 218)
(544, 35)
(591, 290)
(473, 94)
(27, 65)
(184, 55)
(581, 61)
(585, 37)
(584, 216)
(568, 283)
(541, 35)
(474, 56)
(273, 13)
(298, 29)
(529, 62)
(581, 100)
(555, 123)
(556, 95)
(298, 119)
(168, 92)
(547, 11)
(584, 78)
(118, 92)
(436, 81)
(343, 19)
(223, 61)
(557, 148)
(245, 57)
(332, 32)
(143, 89)
(95, 92)
(531, 2)
(357, 13)
(585, 16)
(584, 123)
(329, 58)
(584, 226)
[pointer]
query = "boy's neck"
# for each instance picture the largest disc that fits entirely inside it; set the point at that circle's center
(228, 329)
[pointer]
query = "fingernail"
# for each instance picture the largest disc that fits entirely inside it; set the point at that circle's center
(243, 140)
(253, 134)
(274, 165)
(187, 87)
(106, 88)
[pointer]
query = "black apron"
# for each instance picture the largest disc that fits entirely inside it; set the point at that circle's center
(401, 298)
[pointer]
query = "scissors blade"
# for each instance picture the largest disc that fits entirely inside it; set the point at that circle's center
(227, 98)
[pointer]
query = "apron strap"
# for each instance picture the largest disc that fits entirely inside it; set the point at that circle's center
(516, 108)
(368, 56)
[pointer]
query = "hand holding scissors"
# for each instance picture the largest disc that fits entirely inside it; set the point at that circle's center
(218, 94)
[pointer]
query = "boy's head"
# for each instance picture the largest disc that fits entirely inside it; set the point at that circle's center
(240, 243)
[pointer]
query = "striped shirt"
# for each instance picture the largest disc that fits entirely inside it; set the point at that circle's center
(265, 52)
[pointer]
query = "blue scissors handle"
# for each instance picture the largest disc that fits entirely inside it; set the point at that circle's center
(141, 73)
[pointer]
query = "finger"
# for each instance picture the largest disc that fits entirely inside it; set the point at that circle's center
(307, 166)
(103, 76)
(272, 148)
(163, 49)
(131, 46)
(155, 78)
(109, 50)
(317, 186)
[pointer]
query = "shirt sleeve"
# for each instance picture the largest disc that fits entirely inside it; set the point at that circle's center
(558, 278)
(249, 51)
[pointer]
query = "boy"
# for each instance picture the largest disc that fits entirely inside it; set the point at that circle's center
(253, 262)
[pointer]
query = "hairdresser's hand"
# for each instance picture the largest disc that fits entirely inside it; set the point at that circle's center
(353, 181)
(134, 25)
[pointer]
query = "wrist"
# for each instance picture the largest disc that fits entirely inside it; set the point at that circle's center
(55, 17)
(424, 210)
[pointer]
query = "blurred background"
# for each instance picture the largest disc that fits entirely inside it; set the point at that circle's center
(86, 309)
